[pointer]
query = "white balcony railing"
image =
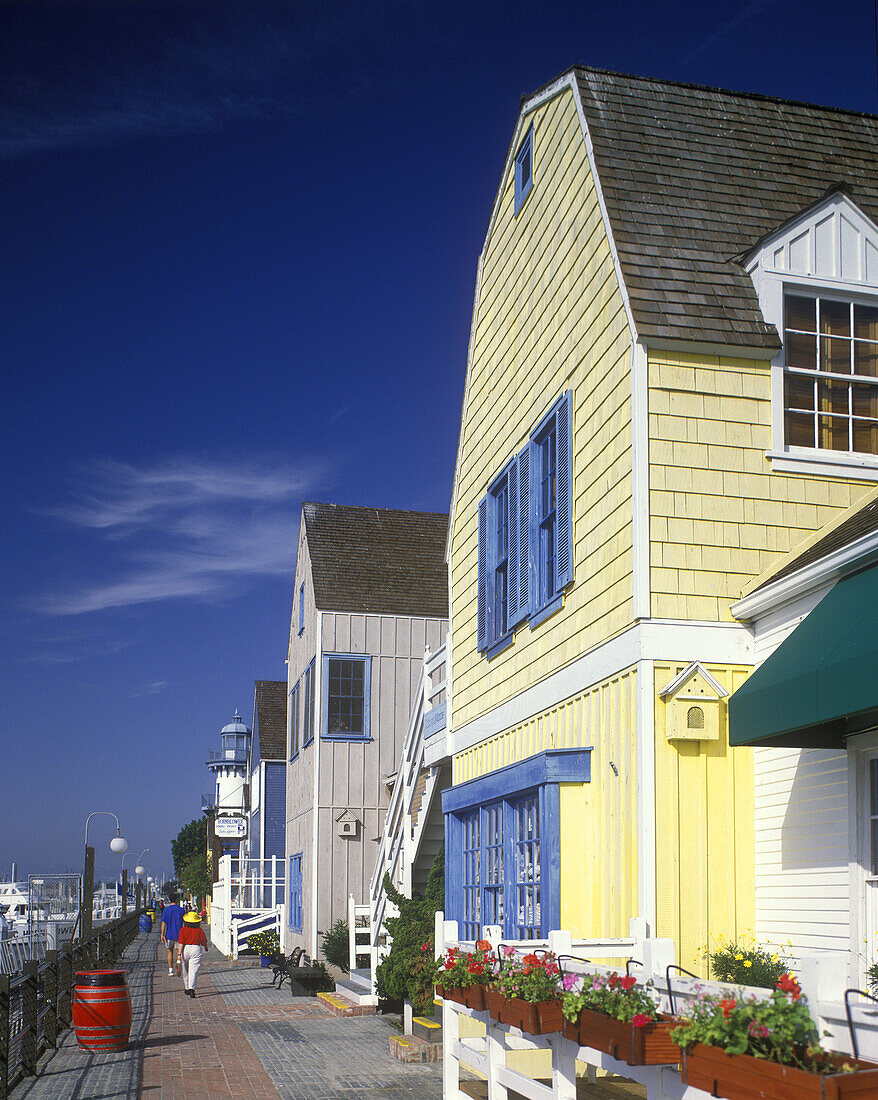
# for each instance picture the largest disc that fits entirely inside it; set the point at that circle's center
(252, 899)
(823, 978)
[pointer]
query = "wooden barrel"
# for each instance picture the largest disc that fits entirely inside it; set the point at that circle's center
(145, 922)
(101, 1010)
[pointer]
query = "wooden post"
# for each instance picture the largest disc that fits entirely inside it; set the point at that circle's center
(5, 1024)
(496, 1050)
(29, 1036)
(50, 991)
(124, 892)
(450, 1052)
(88, 892)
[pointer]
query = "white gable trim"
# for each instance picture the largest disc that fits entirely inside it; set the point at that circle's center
(693, 669)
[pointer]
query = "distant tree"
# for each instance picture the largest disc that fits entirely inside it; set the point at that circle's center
(190, 841)
(170, 887)
(195, 877)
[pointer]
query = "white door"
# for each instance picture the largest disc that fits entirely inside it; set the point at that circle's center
(869, 858)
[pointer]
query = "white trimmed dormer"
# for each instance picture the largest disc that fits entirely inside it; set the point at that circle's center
(817, 281)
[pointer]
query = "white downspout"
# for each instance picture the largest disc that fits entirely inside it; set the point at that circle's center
(315, 847)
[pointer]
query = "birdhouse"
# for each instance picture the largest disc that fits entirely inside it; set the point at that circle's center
(347, 825)
(694, 703)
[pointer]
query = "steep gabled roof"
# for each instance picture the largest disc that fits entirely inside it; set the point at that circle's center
(694, 177)
(270, 716)
(377, 560)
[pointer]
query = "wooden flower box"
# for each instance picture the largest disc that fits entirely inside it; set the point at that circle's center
(537, 1019)
(742, 1077)
(473, 996)
(638, 1046)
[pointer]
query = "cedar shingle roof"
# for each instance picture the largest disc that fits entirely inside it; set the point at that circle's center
(377, 560)
(271, 716)
(693, 177)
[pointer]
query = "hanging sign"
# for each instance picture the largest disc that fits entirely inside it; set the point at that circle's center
(230, 827)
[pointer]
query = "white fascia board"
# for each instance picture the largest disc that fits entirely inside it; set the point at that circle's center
(646, 809)
(862, 552)
(649, 640)
(696, 666)
(640, 520)
(805, 461)
(703, 347)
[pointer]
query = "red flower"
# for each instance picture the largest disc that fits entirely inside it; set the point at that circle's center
(628, 982)
(483, 945)
(788, 984)
(531, 960)
(641, 1019)
(476, 968)
(728, 1006)
(614, 980)
(426, 946)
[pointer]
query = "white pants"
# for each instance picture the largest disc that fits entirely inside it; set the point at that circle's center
(190, 958)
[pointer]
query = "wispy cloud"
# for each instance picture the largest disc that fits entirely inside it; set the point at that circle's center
(747, 12)
(182, 529)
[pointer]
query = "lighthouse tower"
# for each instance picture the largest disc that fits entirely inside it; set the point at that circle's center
(230, 767)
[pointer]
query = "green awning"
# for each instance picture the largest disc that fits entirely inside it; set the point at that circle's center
(821, 684)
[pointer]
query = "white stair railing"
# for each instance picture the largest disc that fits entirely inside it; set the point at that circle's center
(401, 838)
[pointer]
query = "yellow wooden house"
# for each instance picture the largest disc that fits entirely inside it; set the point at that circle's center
(671, 382)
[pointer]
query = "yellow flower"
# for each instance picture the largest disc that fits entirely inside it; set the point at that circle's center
(775, 959)
(739, 956)
(747, 962)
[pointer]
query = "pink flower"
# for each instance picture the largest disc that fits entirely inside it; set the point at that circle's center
(508, 952)
(568, 981)
(641, 1019)
(758, 1031)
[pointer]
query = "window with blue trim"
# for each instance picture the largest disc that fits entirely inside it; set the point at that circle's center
(308, 704)
(296, 892)
(525, 558)
(502, 838)
(524, 169)
(302, 607)
(293, 751)
(346, 697)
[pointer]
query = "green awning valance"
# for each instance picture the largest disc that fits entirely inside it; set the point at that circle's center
(821, 683)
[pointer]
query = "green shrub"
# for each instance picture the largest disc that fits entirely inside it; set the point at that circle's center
(408, 969)
(756, 966)
(336, 945)
(872, 975)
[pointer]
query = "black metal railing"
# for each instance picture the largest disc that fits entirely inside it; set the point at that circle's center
(36, 1004)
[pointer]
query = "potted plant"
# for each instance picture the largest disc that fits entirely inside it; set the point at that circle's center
(617, 1016)
(525, 993)
(463, 976)
(267, 944)
(742, 1047)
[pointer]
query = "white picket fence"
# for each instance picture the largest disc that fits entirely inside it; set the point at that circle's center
(822, 977)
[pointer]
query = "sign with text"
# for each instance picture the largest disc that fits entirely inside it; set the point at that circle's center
(230, 827)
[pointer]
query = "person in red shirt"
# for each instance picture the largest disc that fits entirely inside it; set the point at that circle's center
(193, 944)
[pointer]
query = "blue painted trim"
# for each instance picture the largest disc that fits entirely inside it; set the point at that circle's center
(300, 878)
(551, 766)
(500, 644)
(525, 153)
(548, 610)
(367, 698)
(308, 677)
(550, 857)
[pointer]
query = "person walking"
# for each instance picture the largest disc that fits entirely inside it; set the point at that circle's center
(172, 922)
(193, 944)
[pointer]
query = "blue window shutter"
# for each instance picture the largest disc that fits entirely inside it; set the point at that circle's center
(482, 584)
(525, 560)
(512, 615)
(564, 500)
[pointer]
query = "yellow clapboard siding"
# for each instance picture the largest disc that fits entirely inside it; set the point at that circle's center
(704, 799)
(712, 488)
(550, 318)
(598, 820)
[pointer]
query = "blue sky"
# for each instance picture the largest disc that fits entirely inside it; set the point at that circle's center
(238, 254)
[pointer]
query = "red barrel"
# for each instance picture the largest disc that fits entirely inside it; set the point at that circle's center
(102, 1010)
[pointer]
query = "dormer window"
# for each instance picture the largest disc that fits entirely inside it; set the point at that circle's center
(524, 169)
(830, 374)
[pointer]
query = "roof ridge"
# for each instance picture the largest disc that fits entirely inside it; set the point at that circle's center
(761, 96)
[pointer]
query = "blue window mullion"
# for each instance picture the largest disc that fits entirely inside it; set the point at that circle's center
(509, 912)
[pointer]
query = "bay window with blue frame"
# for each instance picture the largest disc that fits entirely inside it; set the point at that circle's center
(502, 837)
(525, 558)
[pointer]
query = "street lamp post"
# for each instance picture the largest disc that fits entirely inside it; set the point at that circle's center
(118, 845)
(140, 870)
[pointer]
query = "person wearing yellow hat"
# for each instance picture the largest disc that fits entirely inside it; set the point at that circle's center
(193, 943)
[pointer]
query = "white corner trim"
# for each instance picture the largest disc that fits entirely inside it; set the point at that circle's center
(646, 835)
(823, 463)
(315, 840)
(649, 640)
(688, 672)
(862, 552)
(640, 532)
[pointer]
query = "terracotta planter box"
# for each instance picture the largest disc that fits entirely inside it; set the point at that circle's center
(537, 1019)
(473, 996)
(450, 993)
(742, 1077)
(638, 1046)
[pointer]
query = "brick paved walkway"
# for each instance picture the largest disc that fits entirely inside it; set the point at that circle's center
(239, 1038)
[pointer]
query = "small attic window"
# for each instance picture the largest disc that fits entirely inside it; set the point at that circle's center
(524, 169)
